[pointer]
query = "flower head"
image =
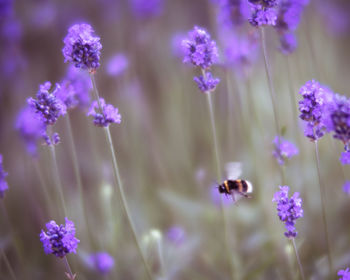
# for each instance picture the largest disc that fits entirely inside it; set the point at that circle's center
(233, 13)
(263, 12)
(102, 262)
(176, 235)
(82, 48)
(3, 184)
(117, 64)
(59, 240)
(47, 105)
(199, 49)
(344, 274)
(283, 150)
(315, 99)
(31, 128)
(289, 209)
(288, 43)
(345, 157)
(337, 118)
(108, 115)
(346, 187)
(207, 83)
(74, 89)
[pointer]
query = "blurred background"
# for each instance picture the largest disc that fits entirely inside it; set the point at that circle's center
(164, 143)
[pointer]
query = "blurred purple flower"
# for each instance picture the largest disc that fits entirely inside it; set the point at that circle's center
(47, 105)
(59, 240)
(3, 184)
(233, 13)
(207, 84)
(54, 140)
(31, 128)
(117, 64)
(283, 150)
(82, 48)
(315, 99)
(345, 158)
(288, 43)
(335, 16)
(176, 235)
(102, 262)
(288, 210)
(6, 8)
(75, 87)
(109, 113)
(344, 274)
(346, 187)
(147, 8)
(216, 197)
(199, 49)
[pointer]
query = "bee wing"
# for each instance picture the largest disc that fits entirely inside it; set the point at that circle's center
(233, 170)
(236, 196)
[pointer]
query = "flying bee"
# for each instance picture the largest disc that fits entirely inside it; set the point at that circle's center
(233, 186)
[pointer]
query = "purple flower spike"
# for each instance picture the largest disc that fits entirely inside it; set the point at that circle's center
(75, 87)
(208, 84)
(31, 128)
(176, 235)
(263, 12)
(312, 107)
(199, 49)
(344, 274)
(346, 187)
(337, 118)
(117, 64)
(288, 209)
(102, 262)
(82, 48)
(3, 184)
(288, 43)
(283, 150)
(345, 158)
(59, 240)
(47, 105)
(109, 114)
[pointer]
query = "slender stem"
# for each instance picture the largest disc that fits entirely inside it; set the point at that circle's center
(124, 201)
(77, 173)
(57, 179)
(120, 188)
(298, 259)
(218, 176)
(41, 180)
(71, 275)
(161, 258)
(269, 77)
(323, 206)
(9, 267)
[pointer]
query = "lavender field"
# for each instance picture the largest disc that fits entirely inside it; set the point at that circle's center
(163, 139)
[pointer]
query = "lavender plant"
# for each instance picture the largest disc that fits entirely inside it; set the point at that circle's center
(101, 262)
(283, 150)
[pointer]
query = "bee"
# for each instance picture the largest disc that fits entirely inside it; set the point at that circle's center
(237, 188)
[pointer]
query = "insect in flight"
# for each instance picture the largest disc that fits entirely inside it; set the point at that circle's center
(233, 186)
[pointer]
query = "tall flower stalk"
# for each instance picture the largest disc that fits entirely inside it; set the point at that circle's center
(200, 51)
(83, 49)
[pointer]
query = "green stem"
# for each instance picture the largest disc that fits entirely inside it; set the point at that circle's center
(70, 273)
(218, 176)
(323, 206)
(8, 265)
(120, 188)
(57, 179)
(298, 259)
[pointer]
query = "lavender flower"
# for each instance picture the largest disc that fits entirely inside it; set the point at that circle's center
(3, 184)
(288, 43)
(54, 140)
(233, 13)
(199, 49)
(346, 187)
(315, 98)
(344, 273)
(345, 157)
(283, 150)
(206, 84)
(263, 12)
(288, 209)
(102, 262)
(108, 115)
(82, 48)
(176, 235)
(47, 105)
(59, 240)
(337, 119)
(117, 64)
(74, 89)
(31, 128)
